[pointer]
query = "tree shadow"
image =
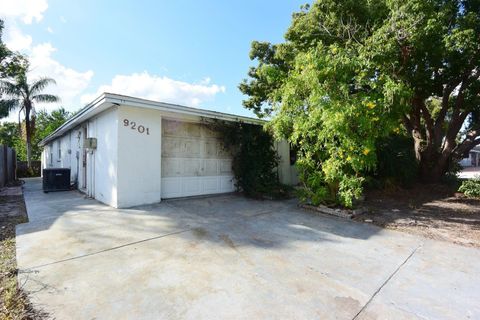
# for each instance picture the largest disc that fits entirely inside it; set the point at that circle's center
(77, 226)
(426, 207)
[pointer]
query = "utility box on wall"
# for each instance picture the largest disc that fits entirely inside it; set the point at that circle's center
(56, 179)
(90, 143)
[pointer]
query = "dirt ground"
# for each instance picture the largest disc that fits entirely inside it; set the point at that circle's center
(14, 303)
(433, 211)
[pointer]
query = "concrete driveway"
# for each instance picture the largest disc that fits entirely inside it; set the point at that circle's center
(469, 173)
(227, 257)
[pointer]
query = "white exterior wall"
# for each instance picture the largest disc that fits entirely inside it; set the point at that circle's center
(466, 162)
(75, 155)
(101, 164)
(287, 173)
(64, 158)
(48, 155)
(102, 161)
(139, 157)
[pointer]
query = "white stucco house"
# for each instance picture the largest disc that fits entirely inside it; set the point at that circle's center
(126, 151)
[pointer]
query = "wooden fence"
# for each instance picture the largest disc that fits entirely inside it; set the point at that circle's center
(8, 163)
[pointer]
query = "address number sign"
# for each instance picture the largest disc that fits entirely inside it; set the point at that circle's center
(134, 126)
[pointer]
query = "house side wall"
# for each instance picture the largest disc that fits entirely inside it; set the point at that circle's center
(102, 162)
(75, 154)
(287, 173)
(139, 156)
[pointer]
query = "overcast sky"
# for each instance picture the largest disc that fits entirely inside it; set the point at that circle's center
(193, 53)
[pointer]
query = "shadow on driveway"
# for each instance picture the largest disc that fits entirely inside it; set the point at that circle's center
(231, 257)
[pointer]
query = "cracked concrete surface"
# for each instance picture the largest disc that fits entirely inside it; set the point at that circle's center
(227, 257)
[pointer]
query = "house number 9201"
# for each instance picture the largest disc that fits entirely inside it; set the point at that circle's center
(134, 126)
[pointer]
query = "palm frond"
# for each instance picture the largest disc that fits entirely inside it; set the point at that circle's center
(7, 106)
(41, 84)
(10, 88)
(45, 98)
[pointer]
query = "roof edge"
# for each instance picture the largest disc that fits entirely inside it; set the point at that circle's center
(112, 99)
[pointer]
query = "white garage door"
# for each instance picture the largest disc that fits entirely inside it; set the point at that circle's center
(194, 161)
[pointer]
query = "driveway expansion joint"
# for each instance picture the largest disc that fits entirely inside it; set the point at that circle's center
(387, 280)
(105, 250)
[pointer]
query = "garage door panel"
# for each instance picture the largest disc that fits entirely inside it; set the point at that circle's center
(173, 128)
(211, 167)
(226, 183)
(175, 187)
(225, 166)
(171, 187)
(191, 148)
(192, 167)
(194, 161)
(222, 152)
(211, 185)
(191, 186)
(171, 167)
(210, 147)
(208, 132)
(171, 147)
(192, 130)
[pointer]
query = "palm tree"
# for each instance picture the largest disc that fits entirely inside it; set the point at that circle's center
(19, 94)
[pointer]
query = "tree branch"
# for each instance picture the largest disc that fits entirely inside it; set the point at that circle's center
(428, 121)
(468, 143)
(465, 80)
(407, 123)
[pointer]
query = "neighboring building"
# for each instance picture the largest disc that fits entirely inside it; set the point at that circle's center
(126, 151)
(473, 159)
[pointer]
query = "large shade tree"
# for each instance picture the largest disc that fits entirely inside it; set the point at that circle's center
(19, 94)
(351, 71)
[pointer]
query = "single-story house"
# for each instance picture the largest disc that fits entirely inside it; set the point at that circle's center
(472, 159)
(126, 151)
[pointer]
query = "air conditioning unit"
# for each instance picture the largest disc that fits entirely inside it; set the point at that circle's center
(56, 179)
(90, 143)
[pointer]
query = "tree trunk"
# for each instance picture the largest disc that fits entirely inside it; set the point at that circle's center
(432, 165)
(28, 137)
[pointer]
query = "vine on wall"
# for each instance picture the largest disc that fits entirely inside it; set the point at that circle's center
(254, 158)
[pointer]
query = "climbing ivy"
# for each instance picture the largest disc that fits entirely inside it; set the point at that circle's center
(254, 158)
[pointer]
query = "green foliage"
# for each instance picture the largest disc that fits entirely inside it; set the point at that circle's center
(396, 161)
(9, 134)
(471, 187)
(335, 129)
(352, 72)
(254, 158)
(45, 123)
(11, 63)
(19, 94)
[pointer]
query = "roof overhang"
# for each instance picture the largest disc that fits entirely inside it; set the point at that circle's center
(107, 100)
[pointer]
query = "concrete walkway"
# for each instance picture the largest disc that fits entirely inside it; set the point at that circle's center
(227, 257)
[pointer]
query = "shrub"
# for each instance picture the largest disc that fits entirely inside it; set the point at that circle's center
(471, 188)
(254, 158)
(396, 161)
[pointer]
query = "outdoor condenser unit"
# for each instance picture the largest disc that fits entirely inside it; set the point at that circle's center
(56, 179)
